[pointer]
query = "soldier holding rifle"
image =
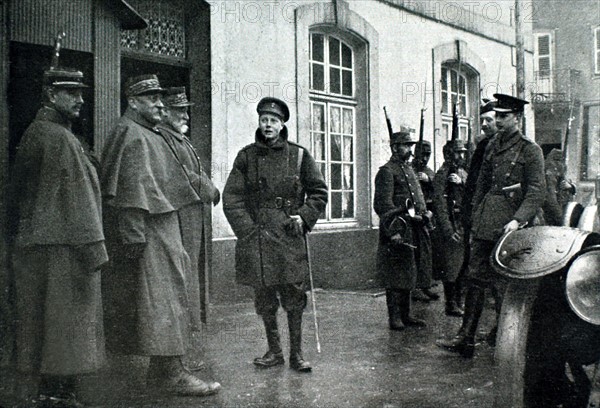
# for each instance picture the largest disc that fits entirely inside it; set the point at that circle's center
(499, 207)
(404, 248)
(273, 197)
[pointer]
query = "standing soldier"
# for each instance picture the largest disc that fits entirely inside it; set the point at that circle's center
(425, 175)
(58, 248)
(449, 185)
(404, 248)
(559, 190)
(510, 191)
(144, 188)
(194, 219)
(274, 195)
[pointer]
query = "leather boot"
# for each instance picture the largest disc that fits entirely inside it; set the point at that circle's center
(452, 308)
(394, 320)
(167, 374)
(490, 338)
(404, 305)
(464, 342)
(295, 326)
(274, 356)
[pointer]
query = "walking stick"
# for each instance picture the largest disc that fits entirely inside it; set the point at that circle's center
(312, 293)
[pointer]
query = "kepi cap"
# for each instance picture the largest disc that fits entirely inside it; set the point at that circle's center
(403, 136)
(143, 85)
(459, 146)
(509, 104)
(487, 106)
(274, 106)
(62, 77)
(425, 146)
(176, 97)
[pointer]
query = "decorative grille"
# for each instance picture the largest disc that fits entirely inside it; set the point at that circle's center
(165, 34)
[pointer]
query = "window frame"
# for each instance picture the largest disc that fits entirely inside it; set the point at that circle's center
(446, 101)
(596, 50)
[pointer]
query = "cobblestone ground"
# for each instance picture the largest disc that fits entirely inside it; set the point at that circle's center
(362, 363)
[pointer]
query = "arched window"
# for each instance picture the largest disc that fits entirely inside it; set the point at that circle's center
(333, 121)
(455, 90)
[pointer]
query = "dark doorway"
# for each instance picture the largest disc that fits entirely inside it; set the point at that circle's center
(27, 65)
(168, 75)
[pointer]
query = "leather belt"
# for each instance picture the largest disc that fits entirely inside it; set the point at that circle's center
(277, 203)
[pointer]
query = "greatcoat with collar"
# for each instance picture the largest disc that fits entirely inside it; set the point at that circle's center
(195, 222)
(399, 265)
(508, 160)
(266, 185)
(58, 250)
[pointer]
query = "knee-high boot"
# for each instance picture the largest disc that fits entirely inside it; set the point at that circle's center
(274, 356)
(498, 296)
(394, 320)
(404, 305)
(464, 342)
(295, 326)
(450, 294)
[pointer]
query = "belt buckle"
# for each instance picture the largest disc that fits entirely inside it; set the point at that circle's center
(278, 202)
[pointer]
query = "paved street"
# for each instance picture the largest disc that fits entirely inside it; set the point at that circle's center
(362, 363)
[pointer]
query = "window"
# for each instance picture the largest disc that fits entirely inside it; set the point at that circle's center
(455, 90)
(333, 121)
(597, 50)
(543, 61)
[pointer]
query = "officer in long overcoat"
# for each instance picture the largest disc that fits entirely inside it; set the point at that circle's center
(194, 218)
(58, 248)
(404, 248)
(449, 187)
(510, 191)
(145, 290)
(274, 195)
(559, 190)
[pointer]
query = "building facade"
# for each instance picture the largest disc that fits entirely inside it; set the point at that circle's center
(566, 87)
(336, 63)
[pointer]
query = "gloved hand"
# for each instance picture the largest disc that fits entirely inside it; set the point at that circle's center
(295, 226)
(134, 251)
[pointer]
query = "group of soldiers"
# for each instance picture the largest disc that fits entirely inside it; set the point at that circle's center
(107, 253)
(461, 212)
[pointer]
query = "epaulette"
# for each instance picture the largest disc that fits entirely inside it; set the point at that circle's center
(296, 144)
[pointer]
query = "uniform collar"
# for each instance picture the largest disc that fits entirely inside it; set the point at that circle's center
(164, 127)
(50, 114)
(505, 142)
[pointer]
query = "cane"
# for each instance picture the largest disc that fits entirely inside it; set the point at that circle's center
(312, 293)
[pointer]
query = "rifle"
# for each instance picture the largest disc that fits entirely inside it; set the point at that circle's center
(565, 145)
(419, 148)
(388, 122)
(453, 168)
(57, 47)
(470, 144)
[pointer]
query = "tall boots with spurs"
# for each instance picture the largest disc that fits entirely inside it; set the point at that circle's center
(452, 297)
(464, 342)
(274, 356)
(297, 362)
(167, 374)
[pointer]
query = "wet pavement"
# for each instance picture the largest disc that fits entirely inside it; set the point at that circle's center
(362, 363)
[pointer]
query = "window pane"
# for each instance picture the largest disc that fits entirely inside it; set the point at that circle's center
(323, 170)
(348, 204)
(348, 177)
(348, 149)
(446, 131)
(336, 176)
(318, 79)
(318, 119)
(336, 147)
(444, 79)
(462, 85)
(445, 102)
(348, 122)
(454, 99)
(334, 80)
(346, 56)
(334, 119)
(317, 47)
(463, 106)
(336, 205)
(453, 84)
(334, 51)
(347, 83)
(319, 146)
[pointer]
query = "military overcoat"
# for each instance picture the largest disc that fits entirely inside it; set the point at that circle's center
(267, 184)
(556, 199)
(398, 265)
(511, 185)
(450, 252)
(58, 250)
